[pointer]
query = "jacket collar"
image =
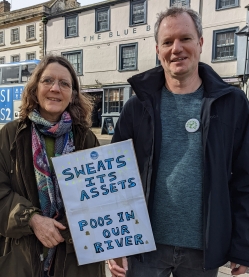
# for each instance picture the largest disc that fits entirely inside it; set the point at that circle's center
(146, 84)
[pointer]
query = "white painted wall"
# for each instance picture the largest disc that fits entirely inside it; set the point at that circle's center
(101, 50)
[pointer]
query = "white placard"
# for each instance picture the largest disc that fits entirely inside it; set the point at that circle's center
(104, 202)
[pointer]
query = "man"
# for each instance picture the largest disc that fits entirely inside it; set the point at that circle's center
(191, 137)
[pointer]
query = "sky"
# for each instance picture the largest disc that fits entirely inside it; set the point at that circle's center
(20, 4)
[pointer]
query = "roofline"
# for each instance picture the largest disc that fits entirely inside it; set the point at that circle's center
(87, 8)
(34, 6)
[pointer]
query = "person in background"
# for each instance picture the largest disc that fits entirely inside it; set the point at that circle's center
(54, 120)
(190, 131)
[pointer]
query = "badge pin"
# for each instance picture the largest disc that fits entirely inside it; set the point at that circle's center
(192, 125)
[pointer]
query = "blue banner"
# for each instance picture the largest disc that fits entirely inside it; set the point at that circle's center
(7, 96)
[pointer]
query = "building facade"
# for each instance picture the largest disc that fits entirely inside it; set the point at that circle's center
(110, 41)
(22, 32)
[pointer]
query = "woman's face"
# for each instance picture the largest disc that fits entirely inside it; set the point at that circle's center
(54, 91)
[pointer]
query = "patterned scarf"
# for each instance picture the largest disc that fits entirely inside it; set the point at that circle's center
(47, 184)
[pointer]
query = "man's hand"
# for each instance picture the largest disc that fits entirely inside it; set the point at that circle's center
(116, 270)
(241, 269)
(47, 230)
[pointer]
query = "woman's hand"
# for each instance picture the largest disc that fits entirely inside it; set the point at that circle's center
(47, 230)
(116, 270)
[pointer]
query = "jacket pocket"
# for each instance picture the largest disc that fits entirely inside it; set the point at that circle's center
(16, 259)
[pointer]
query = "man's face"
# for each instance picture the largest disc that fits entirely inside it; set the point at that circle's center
(179, 46)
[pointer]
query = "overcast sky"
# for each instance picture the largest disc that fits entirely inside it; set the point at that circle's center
(19, 4)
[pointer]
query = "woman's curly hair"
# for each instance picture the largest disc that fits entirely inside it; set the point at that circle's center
(81, 105)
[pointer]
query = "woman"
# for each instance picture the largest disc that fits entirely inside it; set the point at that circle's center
(54, 120)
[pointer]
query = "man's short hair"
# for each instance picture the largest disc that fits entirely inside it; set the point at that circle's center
(175, 11)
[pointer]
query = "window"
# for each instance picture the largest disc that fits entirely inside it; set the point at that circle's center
(224, 4)
(2, 60)
(180, 3)
(31, 56)
(102, 20)
(224, 45)
(138, 14)
(71, 26)
(10, 74)
(76, 59)
(30, 32)
(1, 37)
(15, 58)
(128, 56)
(114, 100)
(26, 71)
(15, 35)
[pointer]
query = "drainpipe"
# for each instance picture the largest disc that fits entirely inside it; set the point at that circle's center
(44, 21)
(200, 7)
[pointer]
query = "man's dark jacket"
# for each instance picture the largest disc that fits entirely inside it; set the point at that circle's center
(225, 140)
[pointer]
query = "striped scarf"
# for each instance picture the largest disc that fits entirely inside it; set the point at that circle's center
(47, 184)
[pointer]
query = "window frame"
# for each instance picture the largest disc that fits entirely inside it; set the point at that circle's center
(31, 53)
(226, 7)
(121, 47)
(108, 20)
(11, 35)
(64, 54)
(12, 58)
(67, 35)
(3, 42)
(134, 2)
(3, 59)
(214, 48)
(27, 32)
(189, 4)
(106, 104)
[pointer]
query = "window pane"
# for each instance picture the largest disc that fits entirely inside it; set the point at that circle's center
(1, 38)
(15, 58)
(26, 72)
(71, 26)
(1, 60)
(129, 57)
(14, 35)
(115, 99)
(227, 3)
(10, 74)
(30, 31)
(225, 48)
(106, 94)
(102, 20)
(180, 3)
(31, 56)
(76, 60)
(138, 13)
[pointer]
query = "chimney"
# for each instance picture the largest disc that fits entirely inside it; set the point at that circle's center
(4, 6)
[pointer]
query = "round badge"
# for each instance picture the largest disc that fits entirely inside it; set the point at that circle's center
(192, 125)
(94, 155)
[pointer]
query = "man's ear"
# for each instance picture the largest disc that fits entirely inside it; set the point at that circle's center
(157, 50)
(201, 44)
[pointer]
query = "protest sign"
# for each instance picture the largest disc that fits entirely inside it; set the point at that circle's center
(104, 202)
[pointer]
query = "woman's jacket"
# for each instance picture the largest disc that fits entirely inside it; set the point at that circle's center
(20, 250)
(225, 141)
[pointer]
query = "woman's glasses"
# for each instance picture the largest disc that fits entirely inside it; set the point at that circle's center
(48, 82)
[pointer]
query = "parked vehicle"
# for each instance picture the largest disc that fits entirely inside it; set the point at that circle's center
(13, 78)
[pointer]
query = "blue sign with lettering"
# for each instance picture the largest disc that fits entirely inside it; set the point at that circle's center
(7, 96)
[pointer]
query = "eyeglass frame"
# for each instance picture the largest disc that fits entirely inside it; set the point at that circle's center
(65, 88)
